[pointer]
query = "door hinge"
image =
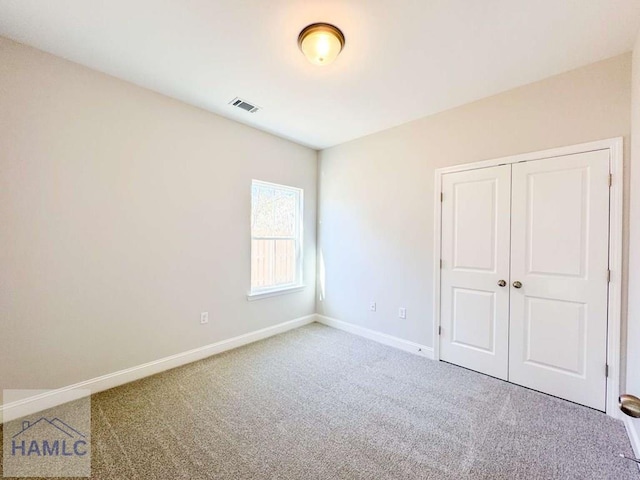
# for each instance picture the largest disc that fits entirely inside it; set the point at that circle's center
(441, 197)
(608, 276)
(606, 370)
(610, 179)
(440, 263)
(439, 330)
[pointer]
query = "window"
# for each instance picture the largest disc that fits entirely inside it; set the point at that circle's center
(276, 238)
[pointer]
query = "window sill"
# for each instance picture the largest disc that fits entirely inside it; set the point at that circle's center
(273, 293)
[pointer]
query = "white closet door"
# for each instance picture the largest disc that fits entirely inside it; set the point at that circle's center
(475, 256)
(559, 253)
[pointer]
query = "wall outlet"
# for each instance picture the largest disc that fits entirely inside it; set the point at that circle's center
(372, 307)
(402, 312)
(204, 317)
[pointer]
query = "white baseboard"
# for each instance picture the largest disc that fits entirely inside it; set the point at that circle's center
(633, 430)
(52, 398)
(379, 337)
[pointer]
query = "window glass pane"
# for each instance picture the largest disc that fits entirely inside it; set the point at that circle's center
(261, 263)
(273, 212)
(276, 215)
(273, 262)
(285, 261)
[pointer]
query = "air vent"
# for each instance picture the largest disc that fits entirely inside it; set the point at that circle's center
(244, 105)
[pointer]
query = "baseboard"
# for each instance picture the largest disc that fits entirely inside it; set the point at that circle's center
(633, 430)
(379, 337)
(52, 398)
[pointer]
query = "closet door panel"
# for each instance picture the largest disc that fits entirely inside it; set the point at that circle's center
(559, 254)
(475, 257)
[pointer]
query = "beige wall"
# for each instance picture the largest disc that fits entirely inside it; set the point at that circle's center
(633, 346)
(375, 238)
(123, 215)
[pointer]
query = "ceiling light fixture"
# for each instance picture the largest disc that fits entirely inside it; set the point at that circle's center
(321, 43)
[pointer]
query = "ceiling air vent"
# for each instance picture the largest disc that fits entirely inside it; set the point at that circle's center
(238, 102)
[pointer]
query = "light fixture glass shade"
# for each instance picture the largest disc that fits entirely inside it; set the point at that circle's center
(321, 43)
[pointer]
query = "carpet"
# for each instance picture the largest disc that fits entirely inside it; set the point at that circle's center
(319, 403)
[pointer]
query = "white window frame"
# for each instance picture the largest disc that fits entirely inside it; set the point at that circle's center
(296, 285)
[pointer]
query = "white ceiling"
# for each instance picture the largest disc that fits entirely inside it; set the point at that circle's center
(403, 59)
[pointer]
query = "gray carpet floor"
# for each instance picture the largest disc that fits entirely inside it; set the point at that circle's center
(318, 403)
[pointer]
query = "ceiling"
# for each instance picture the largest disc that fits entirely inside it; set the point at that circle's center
(403, 59)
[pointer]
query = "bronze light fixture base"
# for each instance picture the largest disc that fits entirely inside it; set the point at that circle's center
(321, 43)
(630, 405)
(324, 27)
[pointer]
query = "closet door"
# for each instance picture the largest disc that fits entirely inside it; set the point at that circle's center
(475, 269)
(559, 266)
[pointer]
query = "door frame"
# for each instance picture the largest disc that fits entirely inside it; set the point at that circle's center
(616, 155)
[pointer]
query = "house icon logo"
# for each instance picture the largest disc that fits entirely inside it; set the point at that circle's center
(53, 443)
(48, 438)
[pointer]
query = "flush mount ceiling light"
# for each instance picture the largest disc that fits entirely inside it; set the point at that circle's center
(321, 43)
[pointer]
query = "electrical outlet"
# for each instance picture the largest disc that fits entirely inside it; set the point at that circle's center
(402, 312)
(372, 307)
(204, 317)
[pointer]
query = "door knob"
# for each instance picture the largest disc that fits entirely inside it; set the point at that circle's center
(629, 405)
(502, 283)
(517, 284)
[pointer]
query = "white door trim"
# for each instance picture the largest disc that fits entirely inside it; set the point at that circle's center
(615, 147)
